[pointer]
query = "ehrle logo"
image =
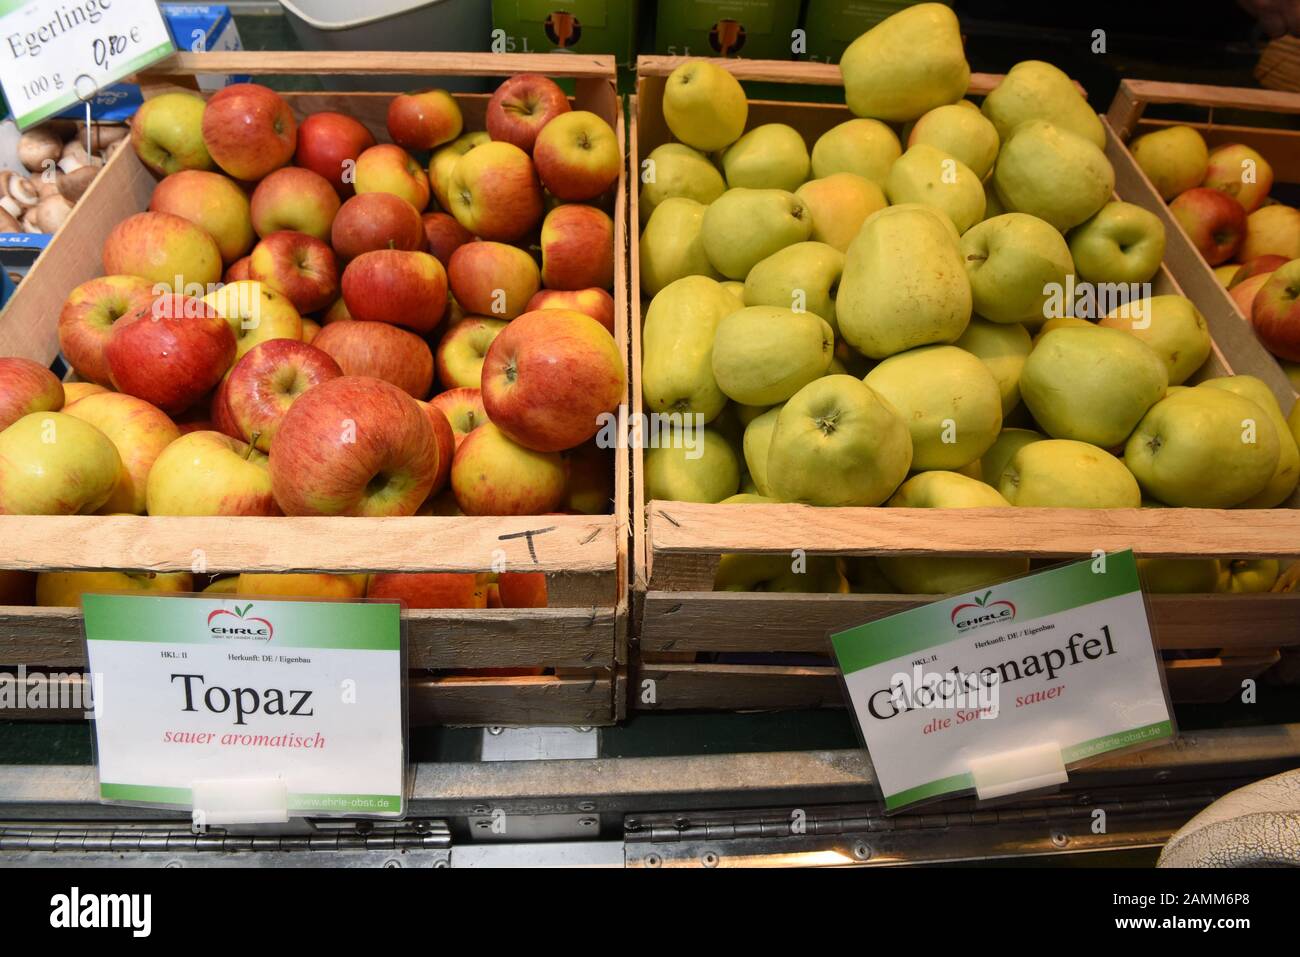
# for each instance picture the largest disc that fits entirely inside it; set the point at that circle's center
(245, 627)
(982, 611)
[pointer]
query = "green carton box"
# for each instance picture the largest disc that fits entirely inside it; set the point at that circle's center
(584, 26)
(757, 29)
(831, 25)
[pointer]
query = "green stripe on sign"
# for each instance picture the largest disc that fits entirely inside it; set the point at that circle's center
(948, 785)
(353, 626)
(1120, 739)
(1034, 596)
(145, 794)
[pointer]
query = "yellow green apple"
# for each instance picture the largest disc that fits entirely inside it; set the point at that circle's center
(1172, 326)
(704, 105)
(765, 354)
(1063, 473)
(1204, 448)
(949, 399)
(671, 245)
(1014, 262)
(802, 277)
(865, 147)
(742, 227)
(139, 431)
(691, 465)
(1287, 474)
(1093, 385)
(1052, 173)
(770, 156)
(837, 442)
(962, 132)
(675, 169)
(840, 204)
(1003, 450)
(1003, 348)
(64, 589)
(1174, 159)
(52, 463)
(905, 65)
(676, 345)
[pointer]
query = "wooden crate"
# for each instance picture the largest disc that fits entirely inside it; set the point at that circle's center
(677, 616)
(585, 558)
(1280, 146)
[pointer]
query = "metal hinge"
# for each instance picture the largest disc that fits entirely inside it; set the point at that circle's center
(852, 834)
(169, 838)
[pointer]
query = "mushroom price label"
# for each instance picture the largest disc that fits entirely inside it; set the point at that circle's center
(978, 687)
(56, 52)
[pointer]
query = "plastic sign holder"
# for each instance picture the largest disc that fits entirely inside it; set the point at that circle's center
(249, 711)
(48, 48)
(1005, 690)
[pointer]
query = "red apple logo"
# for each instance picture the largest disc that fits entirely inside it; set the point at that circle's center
(984, 611)
(241, 614)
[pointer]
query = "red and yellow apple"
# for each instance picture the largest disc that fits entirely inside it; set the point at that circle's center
(1276, 312)
(375, 221)
(396, 286)
(26, 387)
(1258, 266)
(295, 199)
(165, 249)
(493, 279)
(590, 486)
(444, 160)
(353, 446)
(87, 318)
(256, 313)
(493, 475)
(521, 106)
(380, 351)
(446, 440)
(549, 376)
(1272, 231)
(1241, 172)
(267, 381)
(443, 235)
(170, 353)
(593, 302)
(299, 266)
(1213, 220)
(237, 270)
(424, 120)
(329, 144)
(64, 589)
(464, 410)
(494, 193)
(522, 589)
(302, 585)
(76, 391)
(429, 589)
(249, 130)
(209, 473)
(577, 248)
(387, 168)
(139, 431)
(213, 202)
(577, 156)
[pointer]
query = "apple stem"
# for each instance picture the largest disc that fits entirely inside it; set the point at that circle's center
(252, 444)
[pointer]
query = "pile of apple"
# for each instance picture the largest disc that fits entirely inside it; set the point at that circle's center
(1221, 199)
(865, 323)
(296, 327)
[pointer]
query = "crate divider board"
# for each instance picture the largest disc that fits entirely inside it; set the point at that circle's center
(585, 558)
(676, 545)
(1281, 147)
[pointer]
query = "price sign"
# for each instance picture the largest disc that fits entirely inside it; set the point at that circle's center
(55, 52)
(248, 698)
(1002, 689)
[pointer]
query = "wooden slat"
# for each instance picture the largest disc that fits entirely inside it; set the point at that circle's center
(382, 63)
(713, 687)
(677, 528)
(529, 701)
(559, 543)
(812, 73)
(436, 638)
(744, 622)
(1225, 97)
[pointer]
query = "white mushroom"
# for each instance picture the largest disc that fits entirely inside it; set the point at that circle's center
(51, 212)
(75, 157)
(11, 206)
(23, 191)
(8, 224)
(38, 145)
(48, 185)
(73, 185)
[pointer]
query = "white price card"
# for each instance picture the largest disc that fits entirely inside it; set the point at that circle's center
(1002, 689)
(56, 52)
(243, 696)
